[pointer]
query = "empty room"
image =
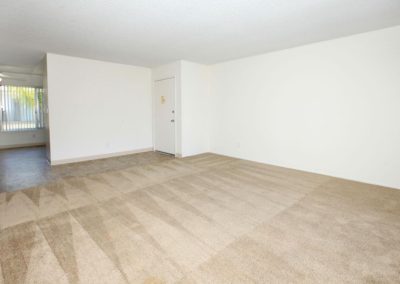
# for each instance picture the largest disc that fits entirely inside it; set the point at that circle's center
(165, 141)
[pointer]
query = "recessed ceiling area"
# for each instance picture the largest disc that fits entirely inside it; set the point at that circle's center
(153, 32)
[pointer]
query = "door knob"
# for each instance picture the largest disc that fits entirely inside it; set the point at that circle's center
(172, 120)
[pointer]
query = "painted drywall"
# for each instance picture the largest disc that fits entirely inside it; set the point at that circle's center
(195, 100)
(46, 109)
(331, 108)
(192, 102)
(97, 108)
(16, 139)
(24, 76)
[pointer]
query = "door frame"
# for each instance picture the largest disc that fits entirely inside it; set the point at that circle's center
(155, 112)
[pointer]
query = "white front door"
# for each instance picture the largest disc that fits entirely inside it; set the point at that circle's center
(165, 115)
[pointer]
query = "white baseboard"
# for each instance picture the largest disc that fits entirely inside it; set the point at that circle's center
(4, 147)
(97, 157)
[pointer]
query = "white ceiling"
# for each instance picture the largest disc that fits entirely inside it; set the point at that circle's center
(153, 32)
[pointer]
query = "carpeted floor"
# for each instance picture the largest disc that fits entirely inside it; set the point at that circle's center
(204, 219)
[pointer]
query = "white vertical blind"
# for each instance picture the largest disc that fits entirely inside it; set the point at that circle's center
(21, 108)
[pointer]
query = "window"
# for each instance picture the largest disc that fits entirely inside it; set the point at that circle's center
(21, 108)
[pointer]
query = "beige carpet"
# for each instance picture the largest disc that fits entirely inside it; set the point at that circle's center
(205, 219)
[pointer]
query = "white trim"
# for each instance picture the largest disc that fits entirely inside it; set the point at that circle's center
(27, 145)
(96, 157)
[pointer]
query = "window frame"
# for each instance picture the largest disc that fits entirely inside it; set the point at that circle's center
(16, 102)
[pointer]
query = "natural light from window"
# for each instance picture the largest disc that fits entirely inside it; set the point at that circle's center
(21, 108)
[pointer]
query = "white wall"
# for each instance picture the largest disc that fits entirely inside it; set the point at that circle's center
(46, 109)
(331, 107)
(192, 104)
(22, 138)
(25, 76)
(195, 90)
(97, 108)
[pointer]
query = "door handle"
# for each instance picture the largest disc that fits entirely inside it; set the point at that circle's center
(172, 120)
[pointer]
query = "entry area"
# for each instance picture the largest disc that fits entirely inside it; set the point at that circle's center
(23, 160)
(23, 168)
(165, 115)
(28, 168)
